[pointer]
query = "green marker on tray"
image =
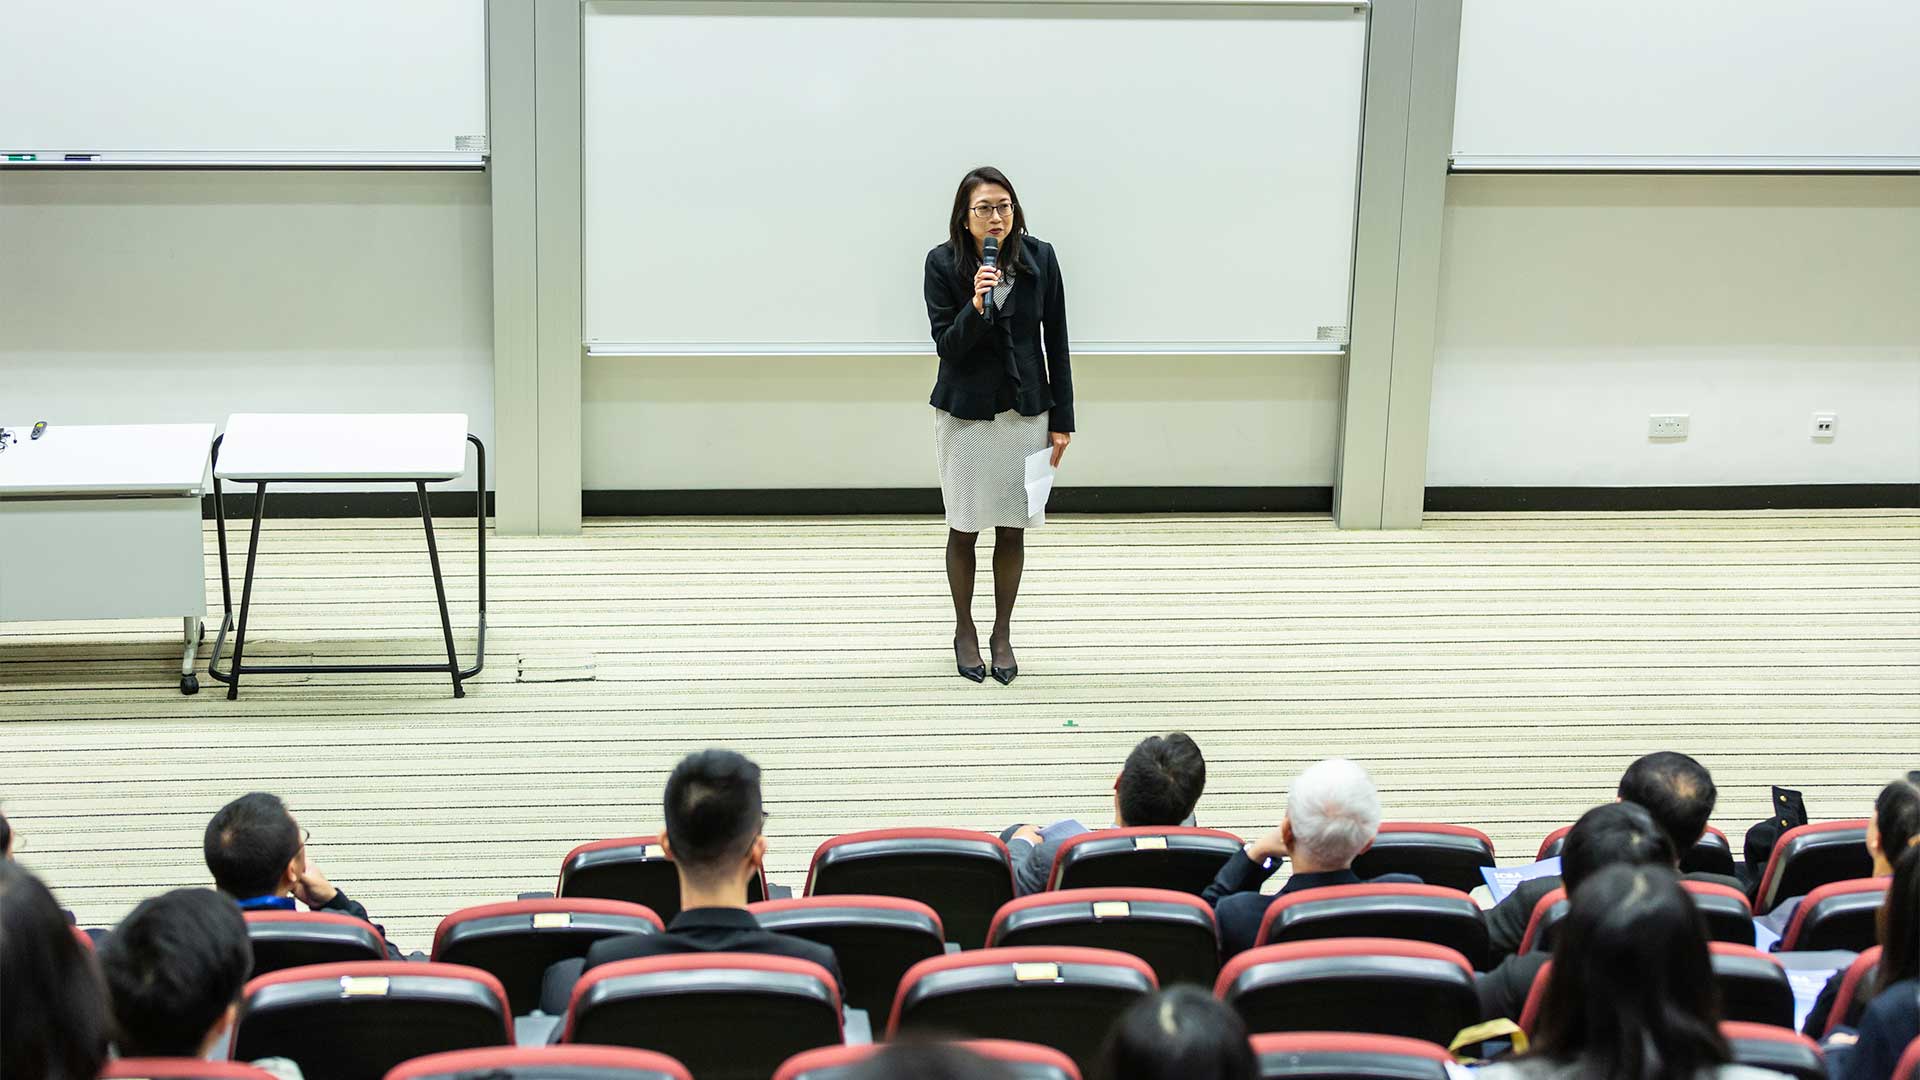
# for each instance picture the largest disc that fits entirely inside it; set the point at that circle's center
(23, 157)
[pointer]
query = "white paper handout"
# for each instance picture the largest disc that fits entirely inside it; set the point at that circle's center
(1039, 480)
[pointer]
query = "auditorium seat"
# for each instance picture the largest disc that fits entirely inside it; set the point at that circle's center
(1711, 854)
(544, 1063)
(635, 869)
(517, 941)
(1908, 1068)
(726, 1016)
(1017, 1061)
(1061, 997)
(181, 1069)
(1382, 986)
(1428, 913)
(1810, 856)
(1762, 1046)
(963, 875)
(1837, 915)
(85, 939)
(355, 1021)
(1447, 855)
(874, 938)
(1345, 1055)
(1753, 986)
(1857, 977)
(1548, 913)
(1172, 857)
(1174, 932)
(290, 939)
(1729, 917)
(1536, 996)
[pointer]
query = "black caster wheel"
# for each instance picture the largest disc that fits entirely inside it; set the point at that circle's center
(189, 684)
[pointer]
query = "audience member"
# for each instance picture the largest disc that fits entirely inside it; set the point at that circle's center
(1893, 825)
(1617, 834)
(1333, 812)
(53, 1007)
(6, 838)
(1159, 785)
(1891, 1018)
(1679, 793)
(1180, 1034)
(1631, 994)
(713, 835)
(257, 854)
(911, 1060)
(174, 971)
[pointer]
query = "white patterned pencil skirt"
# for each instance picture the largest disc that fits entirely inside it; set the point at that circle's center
(983, 469)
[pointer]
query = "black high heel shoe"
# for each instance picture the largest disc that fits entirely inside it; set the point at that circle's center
(1005, 675)
(976, 673)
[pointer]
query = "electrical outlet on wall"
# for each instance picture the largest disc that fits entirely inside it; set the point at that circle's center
(1825, 425)
(1667, 426)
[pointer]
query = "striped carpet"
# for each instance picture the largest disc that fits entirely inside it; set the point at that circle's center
(1491, 670)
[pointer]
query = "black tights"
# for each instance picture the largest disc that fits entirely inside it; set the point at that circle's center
(1009, 559)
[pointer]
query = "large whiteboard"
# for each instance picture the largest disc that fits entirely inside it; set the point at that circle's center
(1689, 84)
(244, 81)
(767, 179)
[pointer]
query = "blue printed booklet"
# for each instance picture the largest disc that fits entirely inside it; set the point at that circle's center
(1502, 880)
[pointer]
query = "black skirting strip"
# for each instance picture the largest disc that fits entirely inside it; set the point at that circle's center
(1729, 497)
(344, 504)
(840, 501)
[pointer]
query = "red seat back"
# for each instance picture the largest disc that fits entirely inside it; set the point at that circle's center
(518, 941)
(635, 869)
(963, 875)
(1908, 1067)
(1711, 854)
(1172, 857)
(1753, 986)
(1728, 915)
(1428, 913)
(1446, 855)
(355, 1021)
(181, 1069)
(875, 939)
(1788, 1053)
(289, 939)
(1020, 1061)
(1851, 984)
(1837, 915)
(544, 1063)
(1342, 1055)
(1548, 912)
(1536, 997)
(1173, 932)
(1382, 986)
(1810, 856)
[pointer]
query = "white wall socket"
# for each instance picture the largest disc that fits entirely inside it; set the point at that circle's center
(1825, 425)
(1667, 426)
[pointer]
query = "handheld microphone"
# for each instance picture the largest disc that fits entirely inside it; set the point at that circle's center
(990, 256)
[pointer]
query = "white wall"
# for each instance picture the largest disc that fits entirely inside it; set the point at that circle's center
(865, 422)
(1571, 307)
(167, 296)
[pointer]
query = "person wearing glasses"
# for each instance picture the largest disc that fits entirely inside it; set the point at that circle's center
(1004, 391)
(257, 854)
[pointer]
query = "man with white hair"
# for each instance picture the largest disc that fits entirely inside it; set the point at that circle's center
(1332, 813)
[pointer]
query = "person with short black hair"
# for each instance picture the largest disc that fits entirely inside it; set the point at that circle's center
(1631, 995)
(714, 820)
(1616, 834)
(1183, 1033)
(1159, 784)
(53, 1006)
(174, 969)
(257, 853)
(1679, 794)
(6, 838)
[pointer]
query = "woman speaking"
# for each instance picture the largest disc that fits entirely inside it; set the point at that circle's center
(999, 397)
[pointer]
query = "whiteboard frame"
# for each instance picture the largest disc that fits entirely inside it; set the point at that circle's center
(1608, 163)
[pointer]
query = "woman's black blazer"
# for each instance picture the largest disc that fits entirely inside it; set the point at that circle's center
(1024, 349)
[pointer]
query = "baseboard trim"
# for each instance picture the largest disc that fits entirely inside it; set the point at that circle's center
(835, 502)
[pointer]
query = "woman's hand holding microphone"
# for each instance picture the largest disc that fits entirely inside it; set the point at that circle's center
(984, 279)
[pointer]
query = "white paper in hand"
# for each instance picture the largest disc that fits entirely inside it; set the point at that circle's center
(1039, 480)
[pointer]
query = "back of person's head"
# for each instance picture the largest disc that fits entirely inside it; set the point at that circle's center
(912, 1060)
(1896, 816)
(1899, 923)
(6, 838)
(249, 844)
(1180, 1034)
(53, 1008)
(1161, 782)
(1334, 811)
(1677, 790)
(713, 813)
(173, 968)
(1631, 995)
(1615, 834)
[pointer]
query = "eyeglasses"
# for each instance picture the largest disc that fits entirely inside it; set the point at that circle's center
(983, 210)
(305, 837)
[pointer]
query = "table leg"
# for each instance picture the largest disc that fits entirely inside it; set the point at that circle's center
(191, 630)
(439, 590)
(246, 590)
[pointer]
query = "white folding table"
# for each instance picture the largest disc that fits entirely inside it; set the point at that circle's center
(415, 448)
(103, 522)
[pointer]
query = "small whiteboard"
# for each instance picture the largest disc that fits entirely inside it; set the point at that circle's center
(768, 178)
(239, 82)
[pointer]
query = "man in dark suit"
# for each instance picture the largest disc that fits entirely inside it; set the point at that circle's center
(1674, 788)
(1333, 812)
(713, 836)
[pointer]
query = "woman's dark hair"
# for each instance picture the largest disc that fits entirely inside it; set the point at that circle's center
(172, 969)
(1621, 833)
(1180, 1034)
(1899, 923)
(1896, 813)
(249, 844)
(1631, 995)
(54, 1025)
(1012, 252)
(1162, 780)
